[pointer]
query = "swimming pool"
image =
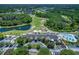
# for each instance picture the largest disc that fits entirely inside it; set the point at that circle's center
(68, 37)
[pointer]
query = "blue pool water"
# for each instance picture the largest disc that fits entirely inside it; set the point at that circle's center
(25, 27)
(69, 37)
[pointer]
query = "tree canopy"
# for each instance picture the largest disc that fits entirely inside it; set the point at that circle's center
(14, 19)
(67, 52)
(20, 51)
(44, 51)
(61, 19)
(2, 36)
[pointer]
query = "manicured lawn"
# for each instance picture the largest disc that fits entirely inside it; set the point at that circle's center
(15, 32)
(36, 22)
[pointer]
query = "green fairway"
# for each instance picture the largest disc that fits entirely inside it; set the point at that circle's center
(36, 22)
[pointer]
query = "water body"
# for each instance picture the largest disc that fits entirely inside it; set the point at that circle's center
(25, 27)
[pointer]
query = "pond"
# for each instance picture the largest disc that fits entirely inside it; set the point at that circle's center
(25, 27)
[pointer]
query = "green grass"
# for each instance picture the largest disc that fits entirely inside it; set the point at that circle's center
(16, 32)
(35, 45)
(36, 22)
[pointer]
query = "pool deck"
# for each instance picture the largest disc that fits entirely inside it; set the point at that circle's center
(68, 37)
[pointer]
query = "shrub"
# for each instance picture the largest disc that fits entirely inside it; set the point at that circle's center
(20, 51)
(44, 51)
(67, 52)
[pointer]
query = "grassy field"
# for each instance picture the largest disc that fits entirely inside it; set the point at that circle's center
(14, 32)
(36, 22)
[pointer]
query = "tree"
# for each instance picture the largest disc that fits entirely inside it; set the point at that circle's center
(29, 46)
(14, 19)
(2, 44)
(20, 41)
(2, 36)
(41, 14)
(38, 46)
(67, 52)
(44, 51)
(20, 51)
(50, 45)
(56, 22)
(1, 52)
